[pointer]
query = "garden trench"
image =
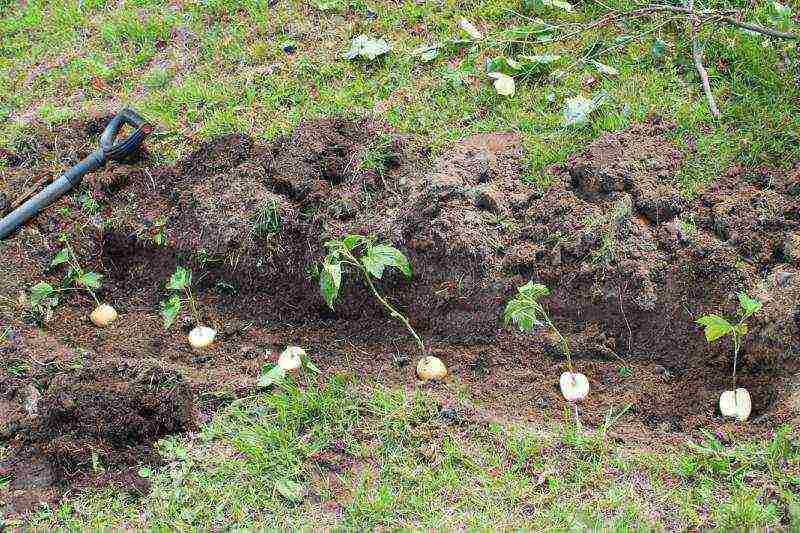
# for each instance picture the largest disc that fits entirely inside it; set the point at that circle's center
(632, 263)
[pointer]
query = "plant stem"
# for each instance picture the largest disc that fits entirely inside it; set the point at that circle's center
(392, 311)
(736, 347)
(192, 306)
(564, 342)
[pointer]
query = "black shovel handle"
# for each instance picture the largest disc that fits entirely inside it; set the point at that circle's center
(109, 149)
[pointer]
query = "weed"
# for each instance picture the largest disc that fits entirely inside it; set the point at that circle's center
(18, 367)
(160, 237)
(266, 220)
(379, 157)
(688, 225)
(90, 206)
(370, 260)
(180, 283)
(717, 326)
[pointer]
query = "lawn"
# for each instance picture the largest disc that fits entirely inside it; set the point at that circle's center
(342, 451)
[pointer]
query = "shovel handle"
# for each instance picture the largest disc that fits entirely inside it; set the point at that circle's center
(121, 149)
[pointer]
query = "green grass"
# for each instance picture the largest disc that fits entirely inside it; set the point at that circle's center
(375, 457)
(216, 66)
(213, 67)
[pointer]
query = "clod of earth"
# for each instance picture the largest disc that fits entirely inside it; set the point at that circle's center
(735, 404)
(201, 337)
(430, 368)
(574, 386)
(291, 359)
(103, 315)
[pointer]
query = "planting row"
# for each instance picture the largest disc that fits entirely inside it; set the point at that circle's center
(362, 257)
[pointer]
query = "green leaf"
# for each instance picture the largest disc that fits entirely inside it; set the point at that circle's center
(537, 30)
(427, 53)
(533, 290)
(748, 306)
(330, 281)
(353, 241)
(145, 472)
(60, 258)
(367, 48)
(532, 6)
(170, 309)
(538, 65)
(566, 6)
(275, 376)
(537, 6)
(524, 310)
(715, 327)
(309, 364)
(659, 49)
(503, 65)
(40, 291)
(291, 490)
(90, 280)
(381, 256)
(327, 5)
(180, 279)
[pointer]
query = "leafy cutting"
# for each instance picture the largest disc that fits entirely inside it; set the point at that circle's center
(717, 326)
(180, 284)
(371, 261)
(44, 296)
(526, 312)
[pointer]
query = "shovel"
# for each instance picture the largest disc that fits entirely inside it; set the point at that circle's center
(109, 149)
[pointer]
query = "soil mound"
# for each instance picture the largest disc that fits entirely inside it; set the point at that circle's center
(624, 252)
(85, 422)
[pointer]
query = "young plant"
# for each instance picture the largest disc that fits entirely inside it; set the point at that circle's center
(526, 312)
(368, 259)
(733, 403)
(44, 296)
(291, 360)
(180, 284)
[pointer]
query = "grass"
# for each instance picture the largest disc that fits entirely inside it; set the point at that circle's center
(372, 457)
(368, 456)
(218, 66)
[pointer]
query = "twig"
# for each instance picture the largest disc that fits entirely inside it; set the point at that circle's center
(760, 29)
(698, 60)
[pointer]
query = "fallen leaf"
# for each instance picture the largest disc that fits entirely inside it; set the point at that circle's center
(578, 109)
(470, 29)
(503, 84)
(605, 70)
(291, 490)
(366, 47)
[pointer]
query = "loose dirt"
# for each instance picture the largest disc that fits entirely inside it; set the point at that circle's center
(631, 261)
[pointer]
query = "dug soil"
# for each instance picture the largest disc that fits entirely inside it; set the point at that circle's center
(631, 262)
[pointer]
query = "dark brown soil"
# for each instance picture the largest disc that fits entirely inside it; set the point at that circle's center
(631, 262)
